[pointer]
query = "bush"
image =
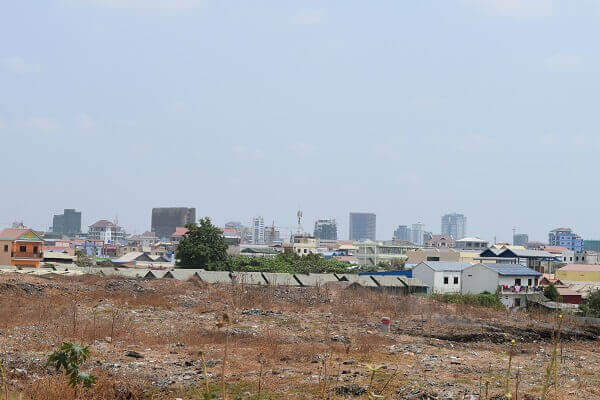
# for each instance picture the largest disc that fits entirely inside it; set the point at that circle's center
(477, 300)
(551, 292)
(283, 262)
(591, 305)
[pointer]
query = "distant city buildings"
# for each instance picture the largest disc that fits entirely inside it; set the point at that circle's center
(454, 225)
(417, 234)
(519, 239)
(566, 238)
(257, 230)
(68, 223)
(325, 229)
(165, 220)
(363, 226)
(402, 233)
(272, 235)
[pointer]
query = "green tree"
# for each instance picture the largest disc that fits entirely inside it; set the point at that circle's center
(551, 292)
(83, 260)
(591, 305)
(203, 246)
(70, 357)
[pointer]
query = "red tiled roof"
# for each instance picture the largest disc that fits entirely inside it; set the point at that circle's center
(103, 223)
(180, 231)
(14, 233)
(229, 231)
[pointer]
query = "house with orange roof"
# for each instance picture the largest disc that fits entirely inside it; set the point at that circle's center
(21, 247)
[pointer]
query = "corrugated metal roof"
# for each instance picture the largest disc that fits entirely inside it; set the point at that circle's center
(446, 265)
(512, 270)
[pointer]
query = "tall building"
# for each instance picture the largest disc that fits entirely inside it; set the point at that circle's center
(68, 223)
(454, 225)
(566, 238)
(519, 239)
(402, 233)
(107, 231)
(272, 234)
(363, 226)
(258, 230)
(325, 229)
(165, 220)
(417, 233)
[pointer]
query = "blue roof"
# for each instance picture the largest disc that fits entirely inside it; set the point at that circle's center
(512, 270)
(447, 265)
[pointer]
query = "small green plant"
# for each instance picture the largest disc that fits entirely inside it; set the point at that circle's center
(70, 357)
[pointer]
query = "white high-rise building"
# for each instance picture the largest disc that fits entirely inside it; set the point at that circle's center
(417, 231)
(258, 230)
(454, 225)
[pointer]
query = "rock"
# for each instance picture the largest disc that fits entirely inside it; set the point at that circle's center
(348, 362)
(350, 390)
(134, 354)
(189, 363)
(21, 372)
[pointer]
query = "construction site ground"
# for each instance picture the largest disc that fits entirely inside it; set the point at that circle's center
(148, 338)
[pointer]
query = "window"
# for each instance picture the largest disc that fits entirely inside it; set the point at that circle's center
(518, 282)
(456, 280)
(445, 280)
(529, 282)
(35, 249)
(5, 248)
(305, 251)
(23, 249)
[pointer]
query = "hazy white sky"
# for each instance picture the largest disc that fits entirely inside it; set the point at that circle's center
(408, 109)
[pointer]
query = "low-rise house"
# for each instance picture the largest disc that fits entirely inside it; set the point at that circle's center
(579, 273)
(21, 247)
(440, 276)
(179, 233)
(512, 282)
(132, 259)
(471, 243)
(372, 253)
(538, 260)
(587, 257)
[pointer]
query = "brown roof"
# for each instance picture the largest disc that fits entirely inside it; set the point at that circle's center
(554, 249)
(180, 231)
(581, 267)
(14, 233)
(103, 223)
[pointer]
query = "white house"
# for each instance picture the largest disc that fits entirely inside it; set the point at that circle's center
(513, 282)
(441, 276)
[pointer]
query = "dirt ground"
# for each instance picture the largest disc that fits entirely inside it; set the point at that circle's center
(148, 338)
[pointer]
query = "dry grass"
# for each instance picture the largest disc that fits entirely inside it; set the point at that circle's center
(292, 332)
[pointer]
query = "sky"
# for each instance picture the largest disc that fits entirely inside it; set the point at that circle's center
(408, 109)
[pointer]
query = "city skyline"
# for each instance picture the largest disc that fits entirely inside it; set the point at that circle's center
(338, 115)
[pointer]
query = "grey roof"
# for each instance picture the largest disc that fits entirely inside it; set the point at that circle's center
(387, 281)
(530, 253)
(215, 276)
(316, 279)
(248, 278)
(512, 270)
(276, 278)
(362, 280)
(446, 265)
(412, 282)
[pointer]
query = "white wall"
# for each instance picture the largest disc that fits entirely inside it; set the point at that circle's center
(440, 287)
(478, 279)
(425, 274)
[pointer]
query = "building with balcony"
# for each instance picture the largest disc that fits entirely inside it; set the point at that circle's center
(372, 253)
(106, 231)
(512, 282)
(21, 248)
(566, 238)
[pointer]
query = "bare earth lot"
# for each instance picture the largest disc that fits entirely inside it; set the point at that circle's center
(297, 343)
